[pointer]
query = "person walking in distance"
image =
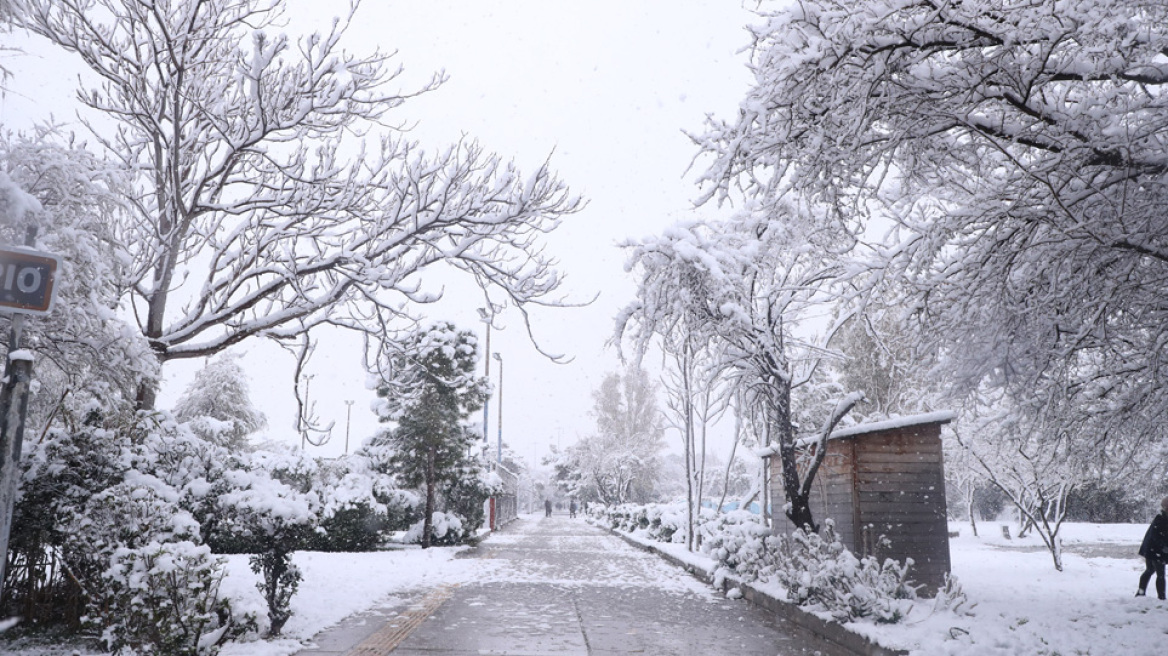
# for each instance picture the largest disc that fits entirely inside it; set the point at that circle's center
(1154, 549)
(572, 509)
(547, 507)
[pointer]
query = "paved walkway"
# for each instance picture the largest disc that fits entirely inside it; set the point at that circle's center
(560, 586)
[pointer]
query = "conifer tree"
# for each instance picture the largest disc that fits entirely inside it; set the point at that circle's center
(218, 406)
(429, 390)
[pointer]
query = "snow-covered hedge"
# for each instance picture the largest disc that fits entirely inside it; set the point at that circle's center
(105, 507)
(446, 529)
(816, 570)
(662, 523)
(739, 541)
(163, 598)
(819, 572)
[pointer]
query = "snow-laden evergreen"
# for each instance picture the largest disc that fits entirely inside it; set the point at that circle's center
(218, 404)
(428, 389)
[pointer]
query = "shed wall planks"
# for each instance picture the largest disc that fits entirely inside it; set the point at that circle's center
(891, 483)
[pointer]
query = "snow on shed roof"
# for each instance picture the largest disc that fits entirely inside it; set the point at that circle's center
(940, 417)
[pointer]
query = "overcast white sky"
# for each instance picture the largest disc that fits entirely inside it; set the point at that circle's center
(608, 85)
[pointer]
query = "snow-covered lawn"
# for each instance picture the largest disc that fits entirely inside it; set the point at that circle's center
(1025, 607)
(337, 585)
(1022, 606)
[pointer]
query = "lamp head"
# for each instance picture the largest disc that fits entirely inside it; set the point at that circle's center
(497, 356)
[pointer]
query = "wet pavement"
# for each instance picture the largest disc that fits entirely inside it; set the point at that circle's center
(560, 586)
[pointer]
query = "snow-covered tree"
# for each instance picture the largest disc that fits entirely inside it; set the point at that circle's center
(625, 410)
(269, 194)
(740, 288)
(1019, 147)
(1034, 466)
(694, 399)
(86, 352)
(619, 462)
(428, 390)
(878, 359)
(218, 405)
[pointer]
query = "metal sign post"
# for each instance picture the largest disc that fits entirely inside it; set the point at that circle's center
(26, 287)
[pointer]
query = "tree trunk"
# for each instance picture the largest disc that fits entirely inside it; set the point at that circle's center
(688, 435)
(701, 469)
(799, 508)
(428, 520)
(969, 505)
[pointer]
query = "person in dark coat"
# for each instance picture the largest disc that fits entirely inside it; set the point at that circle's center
(547, 507)
(1154, 549)
(572, 509)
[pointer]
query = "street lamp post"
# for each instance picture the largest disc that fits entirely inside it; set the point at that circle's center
(348, 422)
(499, 455)
(486, 318)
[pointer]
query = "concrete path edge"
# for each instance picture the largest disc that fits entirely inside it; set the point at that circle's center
(832, 632)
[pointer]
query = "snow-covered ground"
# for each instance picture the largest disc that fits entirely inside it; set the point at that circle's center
(1025, 607)
(1021, 605)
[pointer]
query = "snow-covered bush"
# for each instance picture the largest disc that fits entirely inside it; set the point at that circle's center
(816, 569)
(149, 584)
(357, 505)
(163, 598)
(271, 520)
(819, 572)
(627, 517)
(666, 523)
(446, 529)
(659, 522)
(741, 543)
(109, 498)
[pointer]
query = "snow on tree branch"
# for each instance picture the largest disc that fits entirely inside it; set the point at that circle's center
(272, 193)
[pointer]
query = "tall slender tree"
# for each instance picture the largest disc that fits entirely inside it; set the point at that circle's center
(740, 288)
(429, 390)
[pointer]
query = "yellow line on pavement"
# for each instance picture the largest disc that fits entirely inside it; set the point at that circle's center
(396, 630)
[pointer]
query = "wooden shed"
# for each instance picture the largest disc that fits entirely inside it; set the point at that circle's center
(886, 479)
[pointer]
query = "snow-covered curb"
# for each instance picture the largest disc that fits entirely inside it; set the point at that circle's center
(702, 567)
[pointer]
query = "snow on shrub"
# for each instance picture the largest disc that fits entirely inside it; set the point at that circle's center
(738, 539)
(272, 520)
(358, 504)
(446, 530)
(163, 598)
(659, 522)
(819, 572)
(125, 488)
(150, 585)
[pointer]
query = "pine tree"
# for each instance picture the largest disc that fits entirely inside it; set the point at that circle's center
(430, 388)
(218, 406)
